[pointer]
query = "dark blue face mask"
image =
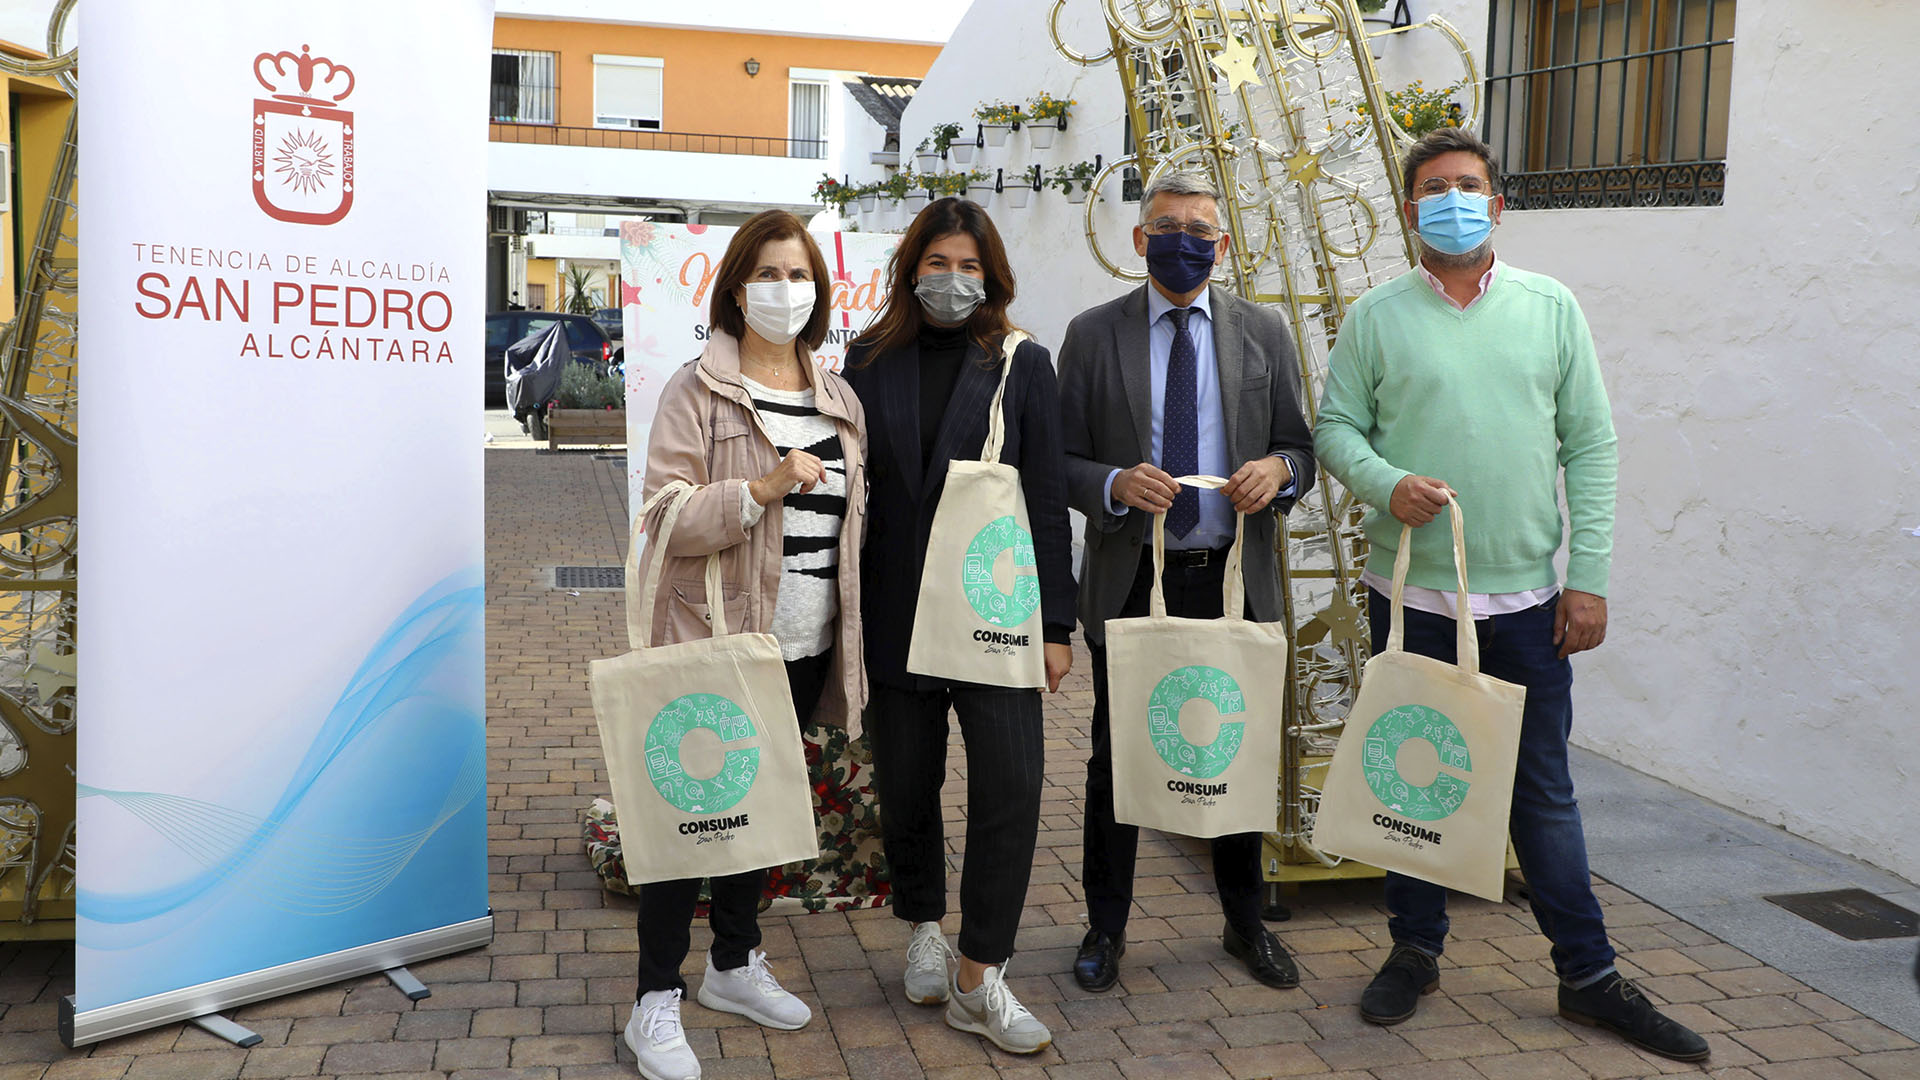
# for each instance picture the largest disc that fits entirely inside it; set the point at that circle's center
(1179, 262)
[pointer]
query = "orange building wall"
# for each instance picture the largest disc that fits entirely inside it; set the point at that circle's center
(707, 89)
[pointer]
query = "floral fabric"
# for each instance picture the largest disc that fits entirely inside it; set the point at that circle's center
(851, 871)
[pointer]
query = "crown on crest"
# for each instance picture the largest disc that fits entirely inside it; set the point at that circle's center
(305, 79)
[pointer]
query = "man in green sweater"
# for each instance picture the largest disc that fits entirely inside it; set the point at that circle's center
(1472, 378)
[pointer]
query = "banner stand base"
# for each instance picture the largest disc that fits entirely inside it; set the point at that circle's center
(404, 982)
(198, 1003)
(220, 1027)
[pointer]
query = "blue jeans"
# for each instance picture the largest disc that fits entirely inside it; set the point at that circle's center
(1545, 826)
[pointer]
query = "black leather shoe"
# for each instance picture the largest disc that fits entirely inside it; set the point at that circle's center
(1097, 966)
(1267, 960)
(1394, 994)
(1617, 1005)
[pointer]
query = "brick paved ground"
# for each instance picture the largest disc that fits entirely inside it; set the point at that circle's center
(546, 1000)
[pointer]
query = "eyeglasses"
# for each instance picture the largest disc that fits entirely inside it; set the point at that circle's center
(1468, 185)
(1199, 230)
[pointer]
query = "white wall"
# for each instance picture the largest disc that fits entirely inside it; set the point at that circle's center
(1002, 51)
(1761, 361)
(924, 21)
(699, 180)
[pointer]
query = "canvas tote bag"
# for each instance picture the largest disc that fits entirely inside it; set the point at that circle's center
(700, 738)
(1196, 707)
(975, 622)
(1422, 780)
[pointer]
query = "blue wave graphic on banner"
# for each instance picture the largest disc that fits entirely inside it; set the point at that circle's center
(379, 832)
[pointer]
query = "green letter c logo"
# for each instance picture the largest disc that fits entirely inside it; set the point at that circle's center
(1163, 720)
(1380, 757)
(976, 574)
(664, 735)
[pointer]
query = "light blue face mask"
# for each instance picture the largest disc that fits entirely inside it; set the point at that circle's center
(1456, 222)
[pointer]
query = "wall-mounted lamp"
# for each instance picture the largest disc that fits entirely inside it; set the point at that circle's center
(753, 67)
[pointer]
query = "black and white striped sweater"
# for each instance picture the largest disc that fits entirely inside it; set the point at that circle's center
(809, 600)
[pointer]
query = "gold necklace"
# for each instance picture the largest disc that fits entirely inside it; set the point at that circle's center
(781, 372)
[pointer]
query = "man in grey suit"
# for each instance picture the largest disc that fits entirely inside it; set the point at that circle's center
(1172, 379)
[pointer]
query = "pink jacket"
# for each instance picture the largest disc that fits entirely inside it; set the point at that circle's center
(706, 432)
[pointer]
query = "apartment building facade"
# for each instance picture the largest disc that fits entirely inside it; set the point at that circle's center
(603, 112)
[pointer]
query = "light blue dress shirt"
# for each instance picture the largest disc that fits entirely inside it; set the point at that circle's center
(1215, 529)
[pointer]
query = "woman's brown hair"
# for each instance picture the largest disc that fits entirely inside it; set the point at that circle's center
(899, 322)
(742, 259)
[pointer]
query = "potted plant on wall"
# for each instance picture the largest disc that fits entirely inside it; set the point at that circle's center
(1045, 115)
(1018, 187)
(589, 409)
(1419, 110)
(926, 156)
(997, 118)
(869, 196)
(959, 149)
(951, 184)
(894, 187)
(1075, 180)
(980, 186)
(915, 197)
(833, 193)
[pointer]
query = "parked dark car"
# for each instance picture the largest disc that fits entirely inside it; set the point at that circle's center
(609, 319)
(588, 343)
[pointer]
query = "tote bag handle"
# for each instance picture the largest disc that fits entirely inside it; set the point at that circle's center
(1233, 590)
(996, 419)
(1467, 643)
(640, 592)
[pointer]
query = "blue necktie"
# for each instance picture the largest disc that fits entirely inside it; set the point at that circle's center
(1180, 433)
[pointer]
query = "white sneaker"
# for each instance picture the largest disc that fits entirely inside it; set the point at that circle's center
(927, 958)
(656, 1039)
(754, 993)
(993, 1012)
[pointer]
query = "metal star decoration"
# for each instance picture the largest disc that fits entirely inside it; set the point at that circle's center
(1236, 61)
(1303, 166)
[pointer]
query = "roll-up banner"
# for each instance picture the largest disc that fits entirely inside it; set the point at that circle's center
(666, 293)
(282, 761)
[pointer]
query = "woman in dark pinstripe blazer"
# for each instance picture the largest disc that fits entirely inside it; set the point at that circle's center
(926, 373)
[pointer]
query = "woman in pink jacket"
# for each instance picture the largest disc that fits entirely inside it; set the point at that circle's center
(777, 448)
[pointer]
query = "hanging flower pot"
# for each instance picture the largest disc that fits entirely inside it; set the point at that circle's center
(868, 202)
(962, 153)
(997, 134)
(1017, 192)
(981, 191)
(1041, 133)
(1076, 194)
(928, 160)
(915, 202)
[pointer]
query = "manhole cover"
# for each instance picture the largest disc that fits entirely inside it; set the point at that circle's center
(589, 577)
(1854, 914)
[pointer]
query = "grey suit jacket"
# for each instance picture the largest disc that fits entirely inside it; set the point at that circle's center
(1106, 405)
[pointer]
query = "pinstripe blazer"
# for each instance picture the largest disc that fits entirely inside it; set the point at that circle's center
(902, 496)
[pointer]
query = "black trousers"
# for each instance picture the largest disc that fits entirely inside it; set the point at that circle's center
(666, 907)
(1106, 867)
(1005, 761)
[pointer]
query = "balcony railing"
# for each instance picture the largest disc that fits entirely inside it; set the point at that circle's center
(636, 139)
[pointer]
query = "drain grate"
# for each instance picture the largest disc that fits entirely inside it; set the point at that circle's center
(1854, 914)
(589, 577)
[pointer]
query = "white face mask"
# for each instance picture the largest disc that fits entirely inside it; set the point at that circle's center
(779, 310)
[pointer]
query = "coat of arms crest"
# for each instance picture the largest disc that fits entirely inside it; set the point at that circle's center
(302, 142)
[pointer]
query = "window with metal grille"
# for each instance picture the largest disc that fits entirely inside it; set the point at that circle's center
(525, 86)
(1596, 103)
(807, 120)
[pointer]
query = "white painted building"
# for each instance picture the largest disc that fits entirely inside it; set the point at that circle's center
(1759, 352)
